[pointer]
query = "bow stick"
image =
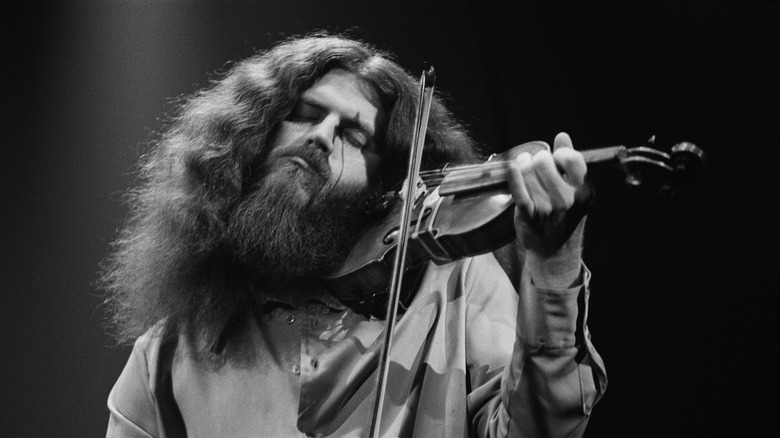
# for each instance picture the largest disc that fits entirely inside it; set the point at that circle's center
(427, 81)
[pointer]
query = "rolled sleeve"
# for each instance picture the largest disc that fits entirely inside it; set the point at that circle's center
(553, 318)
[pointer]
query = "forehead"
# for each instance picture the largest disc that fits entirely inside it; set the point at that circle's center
(344, 92)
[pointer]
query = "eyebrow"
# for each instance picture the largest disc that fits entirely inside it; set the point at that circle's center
(352, 122)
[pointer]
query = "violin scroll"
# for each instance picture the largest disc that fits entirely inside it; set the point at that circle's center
(661, 171)
(688, 162)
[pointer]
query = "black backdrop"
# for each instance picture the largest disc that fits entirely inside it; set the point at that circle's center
(683, 288)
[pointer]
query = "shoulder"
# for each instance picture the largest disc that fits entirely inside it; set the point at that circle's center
(135, 399)
(153, 353)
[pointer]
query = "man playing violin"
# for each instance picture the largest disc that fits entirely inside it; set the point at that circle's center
(257, 191)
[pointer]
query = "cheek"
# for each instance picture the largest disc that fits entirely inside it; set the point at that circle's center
(284, 136)
(373, 164)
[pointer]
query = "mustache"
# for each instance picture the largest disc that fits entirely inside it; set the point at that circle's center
(316, 160)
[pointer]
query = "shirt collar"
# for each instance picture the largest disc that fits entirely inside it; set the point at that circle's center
(320, 304)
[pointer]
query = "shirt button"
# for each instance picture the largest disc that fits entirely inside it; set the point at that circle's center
(290, 318)
(296, 369)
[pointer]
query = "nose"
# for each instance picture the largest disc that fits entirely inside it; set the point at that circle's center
(322, 135)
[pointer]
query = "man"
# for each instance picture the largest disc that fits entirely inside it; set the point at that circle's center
(257, 191)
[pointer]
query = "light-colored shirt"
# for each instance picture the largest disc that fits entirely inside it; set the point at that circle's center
(470, 357)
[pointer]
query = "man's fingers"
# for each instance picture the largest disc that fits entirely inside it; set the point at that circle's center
(562, 140)
(569, 162)
(517, 185)
(554, 188)
(572, 165)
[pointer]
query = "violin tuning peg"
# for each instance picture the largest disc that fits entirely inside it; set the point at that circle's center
(688, 161)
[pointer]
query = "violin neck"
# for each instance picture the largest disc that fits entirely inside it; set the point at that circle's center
(604, 155)
(494, 175)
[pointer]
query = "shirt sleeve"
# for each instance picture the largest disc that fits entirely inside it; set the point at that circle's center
(131, 405)
(554, 375)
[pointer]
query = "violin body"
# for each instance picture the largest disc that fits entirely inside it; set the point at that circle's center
(449, 222)
(467, 211)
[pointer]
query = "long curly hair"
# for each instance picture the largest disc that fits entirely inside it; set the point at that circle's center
(170, 266)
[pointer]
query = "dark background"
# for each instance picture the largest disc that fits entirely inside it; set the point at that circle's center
(683, 288)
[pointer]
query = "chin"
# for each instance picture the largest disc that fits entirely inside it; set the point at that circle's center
(301, 183)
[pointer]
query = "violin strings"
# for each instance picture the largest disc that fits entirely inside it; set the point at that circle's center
(485, 171)
(468, 171)
(486, 174)
(464, 173)
(465, 167)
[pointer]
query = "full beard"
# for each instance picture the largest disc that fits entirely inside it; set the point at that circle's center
(290, 226)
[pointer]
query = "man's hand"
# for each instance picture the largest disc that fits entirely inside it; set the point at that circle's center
(551, 198)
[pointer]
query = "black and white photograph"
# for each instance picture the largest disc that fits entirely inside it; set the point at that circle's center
(389, 219)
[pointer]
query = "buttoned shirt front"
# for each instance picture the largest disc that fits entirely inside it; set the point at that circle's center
(469, 359)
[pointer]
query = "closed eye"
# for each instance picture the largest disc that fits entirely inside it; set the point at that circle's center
(305, 112)
(356, 137)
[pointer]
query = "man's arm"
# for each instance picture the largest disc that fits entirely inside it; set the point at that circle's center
(552, 374)
(555, 375)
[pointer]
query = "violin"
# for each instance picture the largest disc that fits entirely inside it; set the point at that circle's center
(467, 210)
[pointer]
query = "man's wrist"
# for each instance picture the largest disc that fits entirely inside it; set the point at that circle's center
(561, 269)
